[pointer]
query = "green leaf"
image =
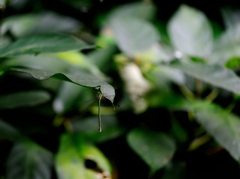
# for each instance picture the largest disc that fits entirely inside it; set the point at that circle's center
(9, 132)
(102, 57)
(178, 131)
(73, 153)
(214, 74)
(167, 100)
(24, 99)
(233, 62)
(41, 61)
(227, 46)
(190, 32)
(29, 161)
(230, 17)
(45, 22)
(221, 124)
(2, 3)
(68, 93)
(175, 171)
(79, 60)
(155, 148)
(71, 97)
(141, 10)
(79, 78)
(20, 25)
(134, 35)
(163, 75)
(49, 43)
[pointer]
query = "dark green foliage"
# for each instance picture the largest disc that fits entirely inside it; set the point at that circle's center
(167, 92)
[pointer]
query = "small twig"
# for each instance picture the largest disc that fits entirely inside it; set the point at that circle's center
(198, 142)
(231, 106)
(215, 150)
(68, 126)
(186, 92)
(199, 87)
(212, 95)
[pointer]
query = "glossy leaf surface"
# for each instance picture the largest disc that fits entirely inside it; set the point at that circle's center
(48, 43)
(79, 78)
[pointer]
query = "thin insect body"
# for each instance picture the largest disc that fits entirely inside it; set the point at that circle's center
(99, 111)
(100, 97)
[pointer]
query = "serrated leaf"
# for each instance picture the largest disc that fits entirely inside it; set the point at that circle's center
(134, 35)
(79, 78)
(190, 32)
(49, 43)
(29, 161)
(24, 99)
(155, 148)
(72, 154)
(221, 124)
(214, 74)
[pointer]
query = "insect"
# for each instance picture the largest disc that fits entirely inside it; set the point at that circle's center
(99, 111)
(100, 97)
(71, 115)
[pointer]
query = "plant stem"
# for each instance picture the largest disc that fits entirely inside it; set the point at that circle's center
(198, 142)
(212, 95)
(186, 92)
(199, 88)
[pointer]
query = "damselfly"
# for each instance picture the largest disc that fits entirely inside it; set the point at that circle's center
(100, 97)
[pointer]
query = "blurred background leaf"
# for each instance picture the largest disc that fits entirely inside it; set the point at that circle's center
(214, 74)
(190, 32)
(174, 69)
(222, 125)
(130, 42)
(28, 160)
(47, 22)
(155, 148)
(9, 132)
(24, 99)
